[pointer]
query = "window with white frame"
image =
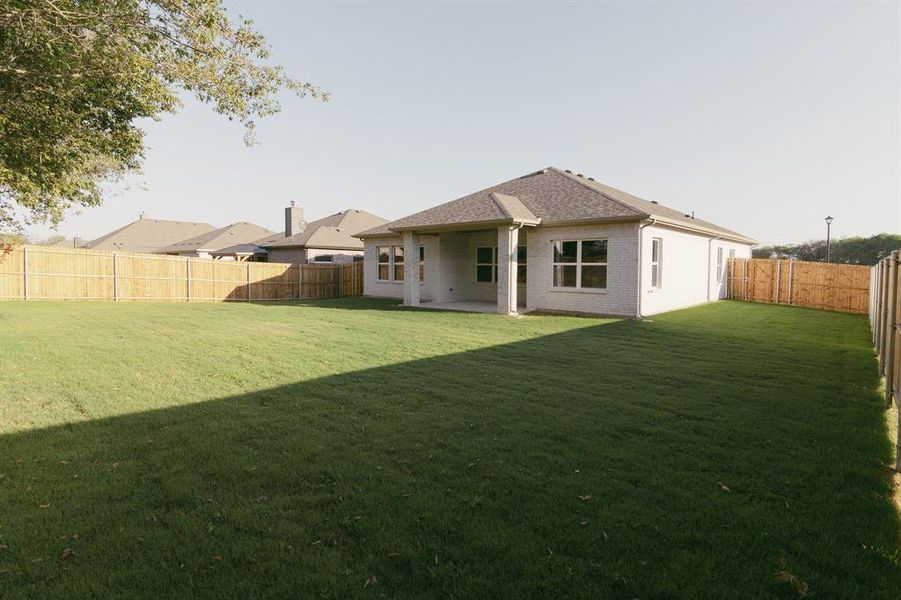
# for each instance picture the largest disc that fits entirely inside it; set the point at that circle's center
(384, 262)
(324, 258)
(397, 259)
(719, 264)
(521, 264)
(656, 262)
(486, 264)
(580, 264)
(391, 263)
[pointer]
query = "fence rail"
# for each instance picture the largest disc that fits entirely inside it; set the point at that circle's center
(827, 286)
(48, 273)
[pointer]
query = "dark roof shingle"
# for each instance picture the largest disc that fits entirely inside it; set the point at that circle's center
(551, 195)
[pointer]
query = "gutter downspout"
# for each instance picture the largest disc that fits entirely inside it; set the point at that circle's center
(639, 314)
(709, 260)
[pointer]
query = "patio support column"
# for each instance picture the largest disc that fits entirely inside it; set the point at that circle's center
(411, 269)
(507, 241)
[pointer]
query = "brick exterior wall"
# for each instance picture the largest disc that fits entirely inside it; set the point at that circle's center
(450, 273)
(620, 297)
(395, 289)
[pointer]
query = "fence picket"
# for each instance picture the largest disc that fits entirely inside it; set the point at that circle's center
(844, 288)
(49, 273)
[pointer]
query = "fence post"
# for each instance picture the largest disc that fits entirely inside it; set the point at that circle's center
(877, 302)
(188, 278)
(340, 280)
(791, 271)
(883, 319)
(115, 277)
(25, 272)
(890, 324)
(248, 280)
(778, 279)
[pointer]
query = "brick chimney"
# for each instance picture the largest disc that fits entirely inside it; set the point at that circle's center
(294, 223)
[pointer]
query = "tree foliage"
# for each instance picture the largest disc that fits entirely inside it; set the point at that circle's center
(849, 250)
(75, 75)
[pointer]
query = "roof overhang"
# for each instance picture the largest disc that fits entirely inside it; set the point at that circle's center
(707, 231)
(467, 225)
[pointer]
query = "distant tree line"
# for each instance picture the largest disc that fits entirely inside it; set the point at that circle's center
(849, 250)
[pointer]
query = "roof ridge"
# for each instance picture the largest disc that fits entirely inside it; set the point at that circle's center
(577, 179)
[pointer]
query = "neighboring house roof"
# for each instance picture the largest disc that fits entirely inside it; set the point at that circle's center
(549, 197)
(148, 235)
(236, 233)
(239, 250)
(334, 232)
(68, 243)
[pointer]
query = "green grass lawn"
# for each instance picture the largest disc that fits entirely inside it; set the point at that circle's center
(348, 448)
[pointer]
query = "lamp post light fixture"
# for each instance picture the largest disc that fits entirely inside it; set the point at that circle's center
(829, 221)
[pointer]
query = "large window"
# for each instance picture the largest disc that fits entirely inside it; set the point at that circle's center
(391, 263)
(656, 262)
(719, 264)
(580, 264)
(486, 264)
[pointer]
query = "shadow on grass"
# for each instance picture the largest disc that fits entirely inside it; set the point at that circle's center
(619, 460)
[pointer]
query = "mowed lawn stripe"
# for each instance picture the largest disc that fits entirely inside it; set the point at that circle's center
(344, 448)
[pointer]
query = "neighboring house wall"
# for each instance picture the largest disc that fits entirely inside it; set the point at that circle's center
(620, 297)
(303, 255)
(286, 255)
(338, 256)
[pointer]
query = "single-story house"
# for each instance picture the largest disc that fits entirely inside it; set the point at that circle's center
(327, 240)
(207, 244)
(551, 241)
(148, 235)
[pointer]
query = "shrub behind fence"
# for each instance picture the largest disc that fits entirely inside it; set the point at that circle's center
(49, 273)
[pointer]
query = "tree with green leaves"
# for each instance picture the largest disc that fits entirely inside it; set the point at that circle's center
(850, 250)
(76, 75)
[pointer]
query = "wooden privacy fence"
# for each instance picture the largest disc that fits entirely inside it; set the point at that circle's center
(49, 273)
(885, 323)
(827, 286)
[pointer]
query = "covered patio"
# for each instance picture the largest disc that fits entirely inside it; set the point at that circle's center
(472, 306)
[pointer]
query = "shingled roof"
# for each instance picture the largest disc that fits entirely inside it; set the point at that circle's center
(548, 197)
(236, 233)
(148, 235)
(334, 232)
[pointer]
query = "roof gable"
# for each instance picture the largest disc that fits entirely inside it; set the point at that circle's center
(230, 235)
(333, 231)
(148, 235)
(551, 196)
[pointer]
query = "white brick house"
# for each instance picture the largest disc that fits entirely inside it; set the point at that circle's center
(551, 241)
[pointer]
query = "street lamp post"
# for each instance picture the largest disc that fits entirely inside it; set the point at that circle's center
(828, 240)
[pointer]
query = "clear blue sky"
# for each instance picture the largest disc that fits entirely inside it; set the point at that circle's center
(761, 117)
